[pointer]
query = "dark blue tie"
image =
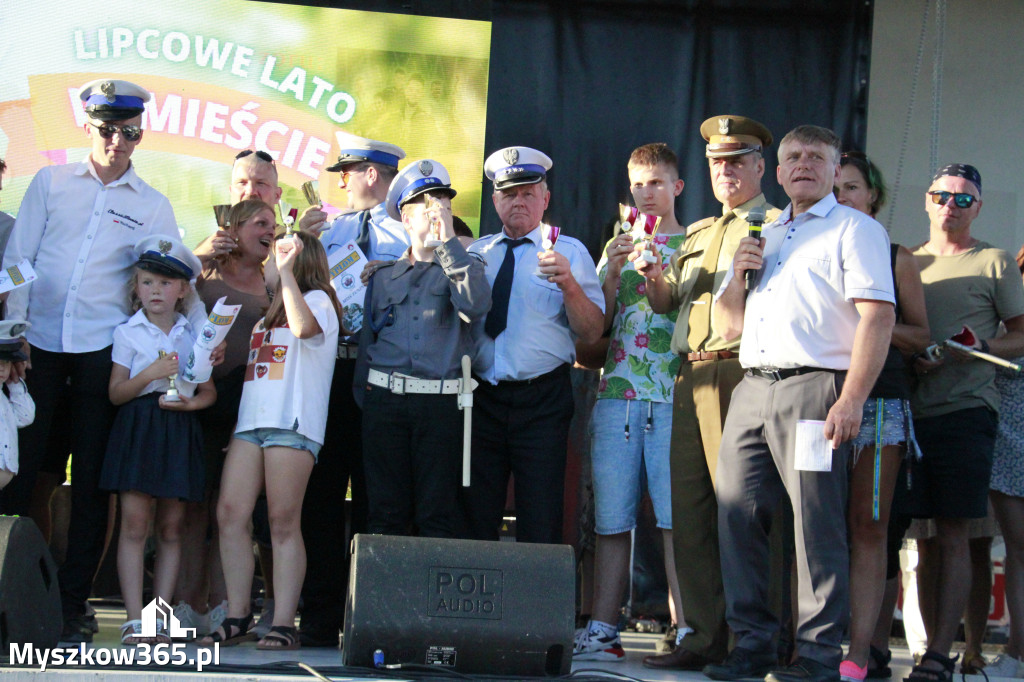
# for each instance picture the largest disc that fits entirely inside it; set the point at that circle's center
(363, 238)
(501, 290)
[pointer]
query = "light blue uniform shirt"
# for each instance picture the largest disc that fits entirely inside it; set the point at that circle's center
(388, 238)
(388, 242)
(537, 338)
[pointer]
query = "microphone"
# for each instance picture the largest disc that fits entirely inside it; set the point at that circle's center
(756, 220)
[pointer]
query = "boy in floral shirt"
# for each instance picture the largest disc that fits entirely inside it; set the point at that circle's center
(632, 420)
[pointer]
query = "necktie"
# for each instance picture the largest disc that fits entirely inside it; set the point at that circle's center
(700, 313)
(363, 238)
(501, 290)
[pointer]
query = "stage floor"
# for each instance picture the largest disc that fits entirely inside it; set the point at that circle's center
(245, 662)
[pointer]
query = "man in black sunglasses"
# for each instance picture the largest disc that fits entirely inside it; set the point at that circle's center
(969, 288)
(78, 224)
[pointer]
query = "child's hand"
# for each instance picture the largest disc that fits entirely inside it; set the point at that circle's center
(285, 252)
(180, 405)
(162, 368)
(440, 219)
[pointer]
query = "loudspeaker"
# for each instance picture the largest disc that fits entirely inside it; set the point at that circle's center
(29, 595)
(468, 606)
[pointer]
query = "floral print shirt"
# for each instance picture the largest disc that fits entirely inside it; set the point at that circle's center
(640, 363)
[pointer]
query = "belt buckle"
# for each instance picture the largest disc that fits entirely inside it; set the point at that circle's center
(396, 383)
(771, 373)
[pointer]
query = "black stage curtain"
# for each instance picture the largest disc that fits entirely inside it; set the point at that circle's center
(587, 81)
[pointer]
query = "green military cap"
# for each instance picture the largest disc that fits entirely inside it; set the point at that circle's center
(734, 135)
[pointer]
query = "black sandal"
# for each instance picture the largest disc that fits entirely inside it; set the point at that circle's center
(919, 673)
(879, 664)
(231, 632)
(280, 638)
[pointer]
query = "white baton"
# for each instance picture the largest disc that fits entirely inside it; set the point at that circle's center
(466, 405)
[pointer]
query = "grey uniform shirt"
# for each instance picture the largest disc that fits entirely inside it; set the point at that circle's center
(422, 312)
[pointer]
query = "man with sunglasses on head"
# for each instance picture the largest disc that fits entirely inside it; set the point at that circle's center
(366, 169)
(78, 225)
(968, 285)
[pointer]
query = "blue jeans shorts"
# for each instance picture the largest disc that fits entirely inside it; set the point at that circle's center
(282, 438)
(619, 462)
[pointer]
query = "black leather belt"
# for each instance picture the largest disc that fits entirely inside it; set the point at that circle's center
(777, 374)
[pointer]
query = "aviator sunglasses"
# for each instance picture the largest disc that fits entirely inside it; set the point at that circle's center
(130, 133)
(961, 199)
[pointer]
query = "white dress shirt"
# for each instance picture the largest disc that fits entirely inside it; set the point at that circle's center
(137, 345)
(801, 312)
(79, 235)
(16, 412)
(538, 338)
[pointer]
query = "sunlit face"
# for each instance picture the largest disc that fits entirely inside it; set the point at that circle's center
(655, 188)
(521, 208)
(853, 190)
(355, 180)
(416, 219)
(807, 172)
(159, 293)
(5, 370)
(251, 177)
(256, 235)
(117, 150)
(948, 217)
(736, 180)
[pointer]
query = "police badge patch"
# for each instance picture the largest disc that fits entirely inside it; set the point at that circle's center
(426, 168)
(511, 156)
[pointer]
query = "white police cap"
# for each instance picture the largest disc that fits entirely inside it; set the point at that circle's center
(415, 179)
(107, 99)
(513, 166)
(355, 149)
(167, 256)
(11, 332)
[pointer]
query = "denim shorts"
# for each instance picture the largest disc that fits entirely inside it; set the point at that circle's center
(619, 462)
(896, 423)
(282, 438)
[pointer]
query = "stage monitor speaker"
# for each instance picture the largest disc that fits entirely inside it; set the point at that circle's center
(499, 608)
(29, 595)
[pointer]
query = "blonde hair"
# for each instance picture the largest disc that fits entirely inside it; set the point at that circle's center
(240, 213)
(135, 303)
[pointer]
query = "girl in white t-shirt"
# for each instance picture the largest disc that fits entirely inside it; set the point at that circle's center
(281, 423)
(155, 446)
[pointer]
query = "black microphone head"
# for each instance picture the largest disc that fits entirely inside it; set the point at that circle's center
(756, 215)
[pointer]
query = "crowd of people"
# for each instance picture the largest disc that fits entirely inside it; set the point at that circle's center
(778, 380)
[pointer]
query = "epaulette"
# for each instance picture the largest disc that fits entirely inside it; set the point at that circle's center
(700, 225)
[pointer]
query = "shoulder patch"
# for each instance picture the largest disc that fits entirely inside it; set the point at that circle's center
(700, 225)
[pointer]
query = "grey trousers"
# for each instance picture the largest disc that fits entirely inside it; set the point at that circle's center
(755, 470)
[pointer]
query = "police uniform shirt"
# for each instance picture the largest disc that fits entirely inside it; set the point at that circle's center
(537, 338)
(388, 238)
(686, 264)
(801, 311)
(79, 236)
(137, 345)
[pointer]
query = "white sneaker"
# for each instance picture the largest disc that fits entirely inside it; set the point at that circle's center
(216, 616)
(266, 620)
(1005, 665)
(593, 646)
(189, 619)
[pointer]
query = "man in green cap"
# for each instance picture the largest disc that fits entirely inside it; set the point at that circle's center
(708, 372)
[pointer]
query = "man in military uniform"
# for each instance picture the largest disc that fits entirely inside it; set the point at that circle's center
(709, 371)
(367, 168)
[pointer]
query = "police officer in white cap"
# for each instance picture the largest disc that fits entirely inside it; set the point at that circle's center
(544, 297)
(367, 168)
(415, 331)
(78, 224)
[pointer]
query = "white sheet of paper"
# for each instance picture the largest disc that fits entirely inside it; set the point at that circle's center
(17, 276)
(813, 451)
(198, 366)
(346, 265)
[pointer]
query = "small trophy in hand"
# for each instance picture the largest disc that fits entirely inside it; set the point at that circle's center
(549, 235)
(172, 391)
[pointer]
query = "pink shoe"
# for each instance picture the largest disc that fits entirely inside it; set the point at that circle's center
(851, 672)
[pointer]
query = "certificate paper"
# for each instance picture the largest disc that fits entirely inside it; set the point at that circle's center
(17, 276)
(813, 451)
(346, 265)
(198, 367)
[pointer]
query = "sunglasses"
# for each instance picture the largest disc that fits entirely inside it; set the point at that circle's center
(961, 199)
(348, 174)
(261, 155)
(107, 131)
